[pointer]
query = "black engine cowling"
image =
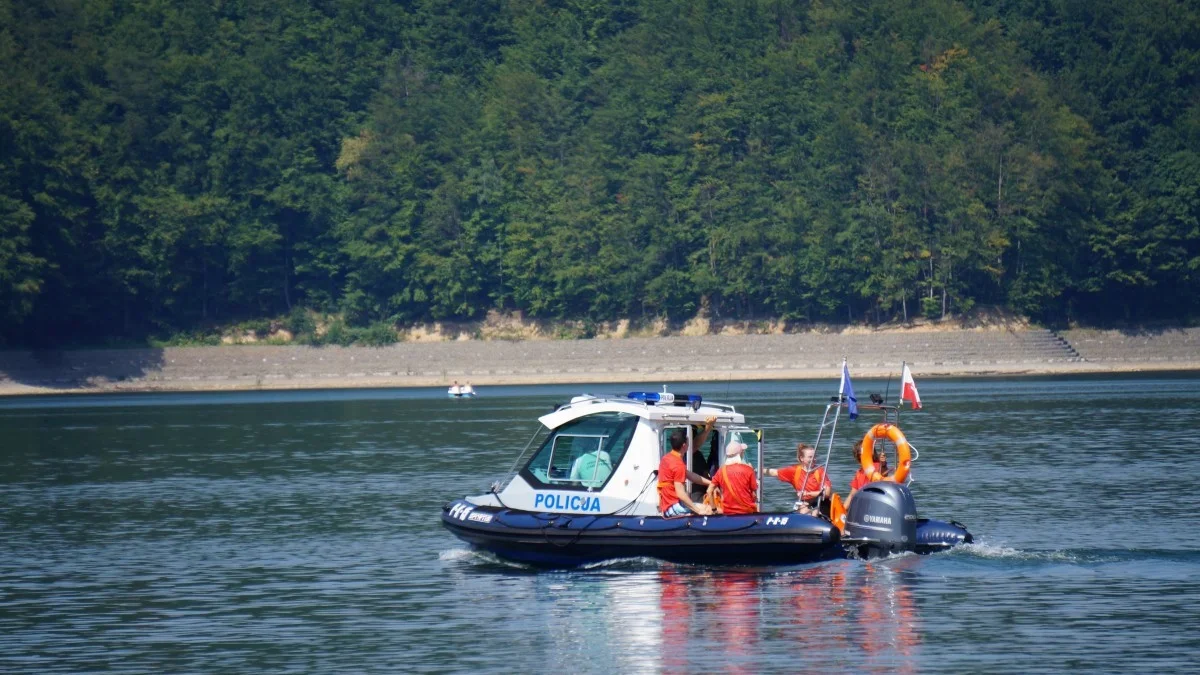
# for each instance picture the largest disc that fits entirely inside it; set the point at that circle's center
(882, 519)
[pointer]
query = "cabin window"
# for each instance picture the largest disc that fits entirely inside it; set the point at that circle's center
(749, 438)
(582, 453)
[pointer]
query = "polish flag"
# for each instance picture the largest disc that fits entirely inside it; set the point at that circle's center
(908, 389)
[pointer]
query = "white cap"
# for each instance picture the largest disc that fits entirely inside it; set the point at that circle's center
(735, 448)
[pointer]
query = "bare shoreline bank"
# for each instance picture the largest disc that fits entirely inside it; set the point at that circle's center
(996, 353)
(231, 384)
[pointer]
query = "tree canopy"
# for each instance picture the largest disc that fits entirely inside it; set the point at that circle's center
(167, 165)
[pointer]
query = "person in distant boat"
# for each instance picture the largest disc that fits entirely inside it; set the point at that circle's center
(673, 497)
(455, 389)
(811, 484)
(697, 463)
(467, 389)
(592, 468)
(736, 481)
(861, 478)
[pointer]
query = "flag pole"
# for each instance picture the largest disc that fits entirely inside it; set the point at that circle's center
(837, 413)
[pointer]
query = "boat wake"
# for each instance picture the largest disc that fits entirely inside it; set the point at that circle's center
(455, 554)
(624, 564)
(989, 551)
(473, 556)
(485, 558)
(984, 549)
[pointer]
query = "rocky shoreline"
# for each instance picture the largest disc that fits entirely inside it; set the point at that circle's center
(972, 352)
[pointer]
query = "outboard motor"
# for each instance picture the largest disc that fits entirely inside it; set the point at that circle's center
(882, 520)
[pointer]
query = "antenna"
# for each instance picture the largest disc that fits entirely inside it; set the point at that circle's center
(900, 405)
(887, 390)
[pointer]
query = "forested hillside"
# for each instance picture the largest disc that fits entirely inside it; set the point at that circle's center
(174, 164)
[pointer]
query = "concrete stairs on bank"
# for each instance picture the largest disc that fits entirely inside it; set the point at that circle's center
(1137, 346)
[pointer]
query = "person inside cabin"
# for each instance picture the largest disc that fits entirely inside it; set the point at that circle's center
(813, 488)
(673, 497)
(592, 468)
(737, 482)
(861, 478)
(697, 463)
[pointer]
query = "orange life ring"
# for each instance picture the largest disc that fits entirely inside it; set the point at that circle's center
(903, 452)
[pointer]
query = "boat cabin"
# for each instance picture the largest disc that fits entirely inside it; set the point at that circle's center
(600, 454)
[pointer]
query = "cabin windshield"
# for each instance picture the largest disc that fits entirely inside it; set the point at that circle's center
(582, 453)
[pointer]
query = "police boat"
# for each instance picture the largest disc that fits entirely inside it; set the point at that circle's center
(589, 493)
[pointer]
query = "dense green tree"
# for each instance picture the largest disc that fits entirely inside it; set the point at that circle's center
(167, 166)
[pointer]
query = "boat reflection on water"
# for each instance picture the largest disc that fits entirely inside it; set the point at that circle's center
(810, 619)
(710, 613)
(887, 615)
(678, 618)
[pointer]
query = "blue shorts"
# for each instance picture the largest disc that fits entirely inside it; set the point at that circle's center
(677, 509)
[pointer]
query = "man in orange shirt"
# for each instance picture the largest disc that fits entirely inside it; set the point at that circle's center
(810, 482)
(737, 482)
(673, 497)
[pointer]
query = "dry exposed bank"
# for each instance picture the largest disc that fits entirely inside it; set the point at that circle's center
(1000, 352)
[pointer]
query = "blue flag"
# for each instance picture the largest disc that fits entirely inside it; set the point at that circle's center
(848, 390)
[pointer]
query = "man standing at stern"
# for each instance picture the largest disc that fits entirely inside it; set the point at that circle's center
(673, 497)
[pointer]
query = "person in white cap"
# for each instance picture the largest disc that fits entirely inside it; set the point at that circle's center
(737, 482)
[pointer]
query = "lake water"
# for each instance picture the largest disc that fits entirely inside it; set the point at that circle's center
(299, 532)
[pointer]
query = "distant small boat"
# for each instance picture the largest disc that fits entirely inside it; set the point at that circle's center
(460, 391)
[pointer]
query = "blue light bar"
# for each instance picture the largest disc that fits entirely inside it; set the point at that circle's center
(666, 397)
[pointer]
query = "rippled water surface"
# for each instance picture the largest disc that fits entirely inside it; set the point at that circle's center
(299, 532)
